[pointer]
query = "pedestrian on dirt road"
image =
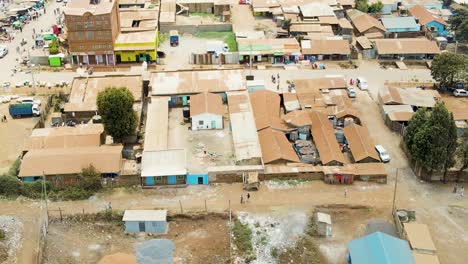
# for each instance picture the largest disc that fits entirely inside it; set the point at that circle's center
(277, 87)
(21, 29)
(455, 188)
(277, 76)
(242, 199)
(345, 192)
(462, 191)
(5, 120)
(248, 196)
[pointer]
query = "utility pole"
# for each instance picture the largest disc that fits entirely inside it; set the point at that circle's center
(394, 191)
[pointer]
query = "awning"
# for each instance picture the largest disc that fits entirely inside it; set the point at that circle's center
(278, 54)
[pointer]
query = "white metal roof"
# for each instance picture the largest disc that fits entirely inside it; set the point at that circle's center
(169, 162)
(324, 218)
(145, 215)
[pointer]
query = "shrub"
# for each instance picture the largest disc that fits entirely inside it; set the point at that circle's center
(34, 189)
(10, 186)
(14, 169)
(90, 179)
(2, 234)
(243, 240)
(70, 193)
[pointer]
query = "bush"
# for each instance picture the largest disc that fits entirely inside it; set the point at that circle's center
(2, 234)
(54, 47)
(10, 186)
(14, 169)
(90, 179)
(70, 193)
(33, 190)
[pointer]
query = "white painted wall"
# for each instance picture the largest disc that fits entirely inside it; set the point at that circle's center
(206, 118)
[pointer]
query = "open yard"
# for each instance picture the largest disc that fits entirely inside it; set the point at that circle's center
(204, 148)
(12, 136)
(201, 238)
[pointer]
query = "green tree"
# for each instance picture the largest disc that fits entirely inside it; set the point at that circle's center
(416, 122)
(459, 23)
(115, 105)
(431, 139)
(447, 68)
(444, 139)
(90, 179)
(462, 152)
(362, 6)
(375, 7)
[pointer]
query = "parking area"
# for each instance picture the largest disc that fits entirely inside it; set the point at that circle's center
(177, 58)
(12, 136)
(204, 148)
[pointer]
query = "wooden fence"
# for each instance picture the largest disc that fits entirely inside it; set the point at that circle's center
(213, 59)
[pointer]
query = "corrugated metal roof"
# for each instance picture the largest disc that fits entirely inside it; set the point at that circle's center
(325, 139)
(424, 16)
(163, 163)
(325, 47)
(206, 103)
(57, 161)
(266, 110)
(145, 215)
(399, 22)
(360, 143)
(380, 248)
(157, 124)
(406, 46)
(276, 147)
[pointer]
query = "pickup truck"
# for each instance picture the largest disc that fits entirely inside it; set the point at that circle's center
(20, 110)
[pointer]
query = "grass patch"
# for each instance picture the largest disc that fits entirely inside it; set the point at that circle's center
(226, 36)
(243, 240)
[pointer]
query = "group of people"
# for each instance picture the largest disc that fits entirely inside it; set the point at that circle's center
(242, 201)
(273, 80)
(462, 189)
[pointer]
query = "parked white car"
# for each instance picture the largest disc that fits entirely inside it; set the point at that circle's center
(3, 51)
(460, 93)
(29, 100)
(5, 99)
(362, 83)
(351, 92)
(383, 154)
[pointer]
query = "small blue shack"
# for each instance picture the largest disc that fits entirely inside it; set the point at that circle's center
(428, 20)
(400, 24)
(379, 248)
(145, 221)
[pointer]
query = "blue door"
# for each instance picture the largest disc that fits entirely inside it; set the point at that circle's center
(171, 180)
(149, 181)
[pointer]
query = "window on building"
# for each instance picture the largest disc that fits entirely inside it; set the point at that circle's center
(99, 35)
(90, 35)
(158, 179)
(88, 24)
(200, 122)
(108, 35)
(98, 23)
(99, 59)
(180, 177)
(136, 23)
(81, 47)
(79, 26)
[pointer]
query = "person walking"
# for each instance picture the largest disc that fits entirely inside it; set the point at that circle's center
(455, 188)
(248, 196)
(242, 199)
(462, 191)
(345, 192)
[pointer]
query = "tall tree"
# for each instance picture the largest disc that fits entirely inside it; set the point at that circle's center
(444, 139)
(462, 152)
(416, 122)
(115, 105)
(431, 139)
(459, 23)
(447, 68)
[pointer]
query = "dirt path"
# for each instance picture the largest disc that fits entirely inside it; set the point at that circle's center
(242, 18)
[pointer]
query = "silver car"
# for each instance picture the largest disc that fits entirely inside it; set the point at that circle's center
(460, 93)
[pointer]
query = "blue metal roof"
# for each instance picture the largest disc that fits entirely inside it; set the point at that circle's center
(399, 22)
(380, 248)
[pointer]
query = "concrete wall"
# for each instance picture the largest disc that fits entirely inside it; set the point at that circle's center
(157, 227)
(192, 29)
(207, 120)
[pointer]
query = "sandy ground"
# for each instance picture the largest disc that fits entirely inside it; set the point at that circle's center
(179, 57)
(243, 20)
(217, 143)
(198, 239)
(12, 136)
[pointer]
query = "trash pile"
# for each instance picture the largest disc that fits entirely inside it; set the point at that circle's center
(11, 228)
(274, 232)
(307, 151)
